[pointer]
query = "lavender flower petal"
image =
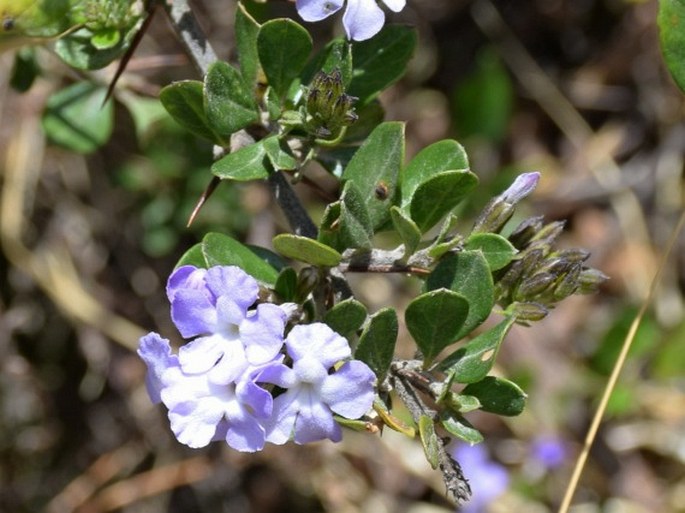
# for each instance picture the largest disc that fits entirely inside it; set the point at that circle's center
(193, 313)
(318, 341)
(317, 10)
(363, 19)
(262, 333)
(315, 421)
(395, 5)
(186, 277)
(349, 391)
(233, 282)
(155, 351)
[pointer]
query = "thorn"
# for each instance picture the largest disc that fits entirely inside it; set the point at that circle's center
(129, 53)
(211, 187)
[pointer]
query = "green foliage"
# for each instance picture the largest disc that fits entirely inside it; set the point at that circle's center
(438, 195)
(229, 105)
(497, 250)
(76, 118)
(346, 222)
(219, 249)
(248, 163)
(429, 440)
(671, 21)
(346, 317)
(185, 102)
(435, 320)
(376, 345)
(498, 395)
(283, 47)
(455, 424)
(246, 31)
(306, 250)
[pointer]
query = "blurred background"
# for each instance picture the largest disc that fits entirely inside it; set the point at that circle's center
(574, 89)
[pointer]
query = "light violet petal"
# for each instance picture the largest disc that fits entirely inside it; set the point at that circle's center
(317, 10)
(229, 315)
(315, 421)
(231, 366)
(186, 277)
(233, 282)
(193, 313)
(194, 423)
(255, 397)
(182, 388)
(245, 434)
(279, 427)
(363, 19)
(279, 374)
(395, 5)
(201, 354)
(317, 340)
(262, 333)
(523, 185)
(349, 391)
(155, 351)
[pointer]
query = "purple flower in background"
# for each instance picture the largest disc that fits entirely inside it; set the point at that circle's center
(304, 412)
(201, 410)
(362, 20)
(549, 451)
(213, 305)
(488, 479)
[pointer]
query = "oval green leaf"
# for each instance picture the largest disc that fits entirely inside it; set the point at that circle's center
(671, 21)
(220, 249)
(248, 163)
(498, 395)
(306, 250)
(346, 317)
(497, 250)
(229, 104)
(458, 426)
(435, 319)
(185, 102)
(377, 342)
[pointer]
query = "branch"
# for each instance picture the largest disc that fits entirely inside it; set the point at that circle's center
(202, 55)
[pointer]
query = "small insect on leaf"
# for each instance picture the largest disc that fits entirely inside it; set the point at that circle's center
(381, 191)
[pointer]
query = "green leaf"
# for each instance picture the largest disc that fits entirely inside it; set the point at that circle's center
(468, 274)
(497, 250)
(346, 317)
(377, 342)
(106, 38)
(346, 223)
(78, 51)
(671, 21)
(369, 117)
(306, 250)
(279, 153)
(438, 195)
(483, 101)
(220, 249)
(429, 440)
(457, 425)
(248, 163)
(229, 105)
(76, 118)
(381, 61)
(440, 156)
(498, 395)
(375, 167)
(283, 48)
(465, 403)
(185, 102)
(406, 228)
(435, 319)
(473, 361)
(246, 30)
(194, 256)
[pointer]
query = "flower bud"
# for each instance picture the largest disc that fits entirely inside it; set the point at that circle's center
(327, 106)
(534, 286)
(590, 280)
(525, 231)
(528, 311)
(568, 283)
(493, 217)
(522, 187)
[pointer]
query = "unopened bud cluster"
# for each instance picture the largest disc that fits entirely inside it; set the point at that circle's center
(111, 14)
(540, 275)
(328, 108)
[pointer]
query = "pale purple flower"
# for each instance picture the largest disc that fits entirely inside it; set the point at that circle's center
(214, 306)
(362, 20)
(200, 410)
(304, 412)
(487, 478)
(524, 184)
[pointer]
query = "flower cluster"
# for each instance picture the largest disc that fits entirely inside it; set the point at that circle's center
(221, 384)
(362, 20)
